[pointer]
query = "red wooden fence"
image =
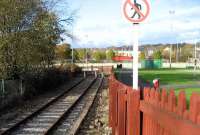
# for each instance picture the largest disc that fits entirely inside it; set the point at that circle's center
(159, 113)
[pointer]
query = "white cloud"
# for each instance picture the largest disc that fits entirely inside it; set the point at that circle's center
(112, 30)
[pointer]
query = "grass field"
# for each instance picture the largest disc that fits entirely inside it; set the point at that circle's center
(168, 77)
(174, 77)
(171, 76)
(188, 92)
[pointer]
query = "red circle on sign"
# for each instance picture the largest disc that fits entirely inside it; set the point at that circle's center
(143, 16)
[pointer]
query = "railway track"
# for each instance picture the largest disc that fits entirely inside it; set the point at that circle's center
(70, 124)
(49, 118)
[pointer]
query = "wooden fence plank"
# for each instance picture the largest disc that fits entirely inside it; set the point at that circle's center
(194, 107)
(146, 121)
(182, 103)
(133, 112)
(171, 101)
(165, 119)
(121, 125)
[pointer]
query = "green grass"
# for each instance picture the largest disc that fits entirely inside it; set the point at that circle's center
(188, 92)
(174, 77)
(171, 76)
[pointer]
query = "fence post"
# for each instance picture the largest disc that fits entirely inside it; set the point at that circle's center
(84, 74)
(115, 107)
(3, 87)
(21, 87)
(113, 100)
(110, 101)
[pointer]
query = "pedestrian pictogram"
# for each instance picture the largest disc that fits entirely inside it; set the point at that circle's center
(136, 11)
(139, 7)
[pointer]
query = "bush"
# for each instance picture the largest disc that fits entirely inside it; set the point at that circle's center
(46, 80)
(73, 68)
(37, 83)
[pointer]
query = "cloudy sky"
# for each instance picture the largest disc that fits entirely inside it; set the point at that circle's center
(100, 23)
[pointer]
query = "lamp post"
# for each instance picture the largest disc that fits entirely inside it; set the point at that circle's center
(72, 56)
(195, 55)
(171, 12)
(177, 52)
(86, 53)
(72, 60)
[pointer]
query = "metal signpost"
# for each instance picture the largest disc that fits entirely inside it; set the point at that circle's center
(136, 12)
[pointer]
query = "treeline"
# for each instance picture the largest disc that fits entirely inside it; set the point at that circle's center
(93, 55)
(179, 52)
(29, 32)
(64, 52)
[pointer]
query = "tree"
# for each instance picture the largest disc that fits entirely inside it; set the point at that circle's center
(17, 18)
(81, 54)
(142, 56)
(29, 34)
(157, 55)
(103, 55)
(63, 52)
(99, 55)
(110, 54)
(186, 52)
(76, 57)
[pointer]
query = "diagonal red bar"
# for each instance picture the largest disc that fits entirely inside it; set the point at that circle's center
(136, 9)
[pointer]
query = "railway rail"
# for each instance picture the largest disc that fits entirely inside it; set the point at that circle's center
(69, 108)
(70, 124)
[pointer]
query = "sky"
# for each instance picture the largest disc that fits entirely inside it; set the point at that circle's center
(101, 23)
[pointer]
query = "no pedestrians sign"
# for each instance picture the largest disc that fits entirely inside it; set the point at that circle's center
(136, 11)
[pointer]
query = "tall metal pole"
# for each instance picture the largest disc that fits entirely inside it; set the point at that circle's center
(135, 56)
(195, 55)
(72, 55)
(170, 57)
(177, 53)
(171, 12)
(72, 45)
(86, 58)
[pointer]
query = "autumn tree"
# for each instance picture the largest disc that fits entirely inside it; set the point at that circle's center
(110, 54)
(81, 54)
(157, 55)
(99, 55)
(63, 52)
(29, 34)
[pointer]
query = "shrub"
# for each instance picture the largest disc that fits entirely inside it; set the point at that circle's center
(37, 83)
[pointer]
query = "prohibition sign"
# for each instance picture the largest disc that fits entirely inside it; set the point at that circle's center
(142, 15)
